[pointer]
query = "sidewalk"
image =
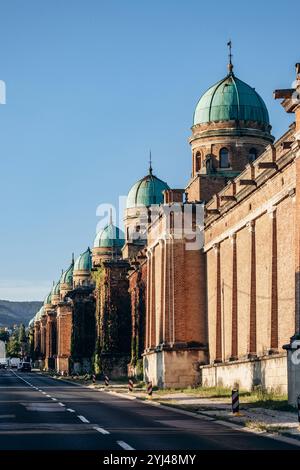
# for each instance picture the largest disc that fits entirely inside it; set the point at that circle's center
(259, 412)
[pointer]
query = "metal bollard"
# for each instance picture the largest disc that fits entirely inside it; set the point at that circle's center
(106, 380)
(130, 385)
(235, 402)
(149, 389)
(94, 378)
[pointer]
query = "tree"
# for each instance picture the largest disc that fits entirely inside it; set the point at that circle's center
(13, 346)
(4, 335)
(22, 334)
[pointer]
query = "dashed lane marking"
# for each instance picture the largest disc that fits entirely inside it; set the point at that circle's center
(83, 419)
(103, 431)
(124, 445)
(61, 404)
(70, 410)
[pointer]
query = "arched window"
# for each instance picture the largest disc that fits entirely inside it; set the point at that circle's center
(198, 161)
(252, 155)
(224, 158)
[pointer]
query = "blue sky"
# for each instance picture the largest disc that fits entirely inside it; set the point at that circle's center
(91, 86)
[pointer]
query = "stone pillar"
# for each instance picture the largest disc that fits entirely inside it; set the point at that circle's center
(252, 306)
(218, 357)
(274, 286)
(234, 304)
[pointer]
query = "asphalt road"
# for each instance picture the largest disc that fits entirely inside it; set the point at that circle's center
(41, 413)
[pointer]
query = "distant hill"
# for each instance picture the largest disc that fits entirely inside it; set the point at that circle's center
(17, 312)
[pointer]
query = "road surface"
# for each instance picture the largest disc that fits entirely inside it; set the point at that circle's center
(41, 413)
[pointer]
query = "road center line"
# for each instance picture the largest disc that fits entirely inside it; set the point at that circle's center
(124, 445)
(70, 410)
(103, 431)
(83, 419)
(61, 404)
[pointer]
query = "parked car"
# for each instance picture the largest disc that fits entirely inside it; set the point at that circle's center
(24, 367)
(14, 362)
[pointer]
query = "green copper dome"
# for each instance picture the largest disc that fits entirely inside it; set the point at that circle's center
(30, 324)
(56, 289)
(231, 99)
(110, 237)
(84, 261)
(48, 299)
(147, 191)
(67, 276)
(39, 314)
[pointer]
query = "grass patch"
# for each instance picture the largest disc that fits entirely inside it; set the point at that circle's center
(199, 392)
(264, 427)
(261, 398)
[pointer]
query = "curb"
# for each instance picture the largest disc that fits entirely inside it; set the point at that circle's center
(200, 415)
(204, 416)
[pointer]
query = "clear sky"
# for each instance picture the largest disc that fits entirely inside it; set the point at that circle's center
(91, 86)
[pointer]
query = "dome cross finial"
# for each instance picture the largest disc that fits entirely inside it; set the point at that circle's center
(150, 164)
(230, 64)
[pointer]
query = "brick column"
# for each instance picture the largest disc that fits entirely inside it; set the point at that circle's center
(171, 291)
(252, 306)
(148, 300)
(162, 292)
(218, 357)
(296, 148)
(274, 285)
(153, 312)
(234, 305)
(166, 306)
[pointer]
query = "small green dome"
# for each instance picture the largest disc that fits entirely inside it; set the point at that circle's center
(110, 237)
(147, 191)
(231, 99)
(39, 314)
(48, 299)
(84, 261)
(56, 289)
(67, 276)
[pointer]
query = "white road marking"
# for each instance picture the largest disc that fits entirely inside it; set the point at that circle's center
(54, 399)
(83, 419)
(44, 393)
(70, 409)
(103, 431)
(48, 396)
(61, 404)
(124, 445)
